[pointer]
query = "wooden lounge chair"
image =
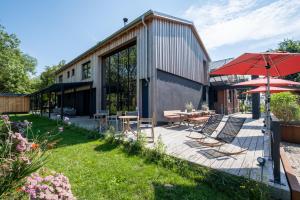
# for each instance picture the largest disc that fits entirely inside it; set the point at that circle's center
(226, 135)
(208, 128)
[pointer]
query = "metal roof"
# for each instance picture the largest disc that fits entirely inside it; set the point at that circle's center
(227, 79)
(11, 95)
(130, 25)
(58, 86)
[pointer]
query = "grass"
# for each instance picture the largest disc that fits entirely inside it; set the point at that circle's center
(98, 169)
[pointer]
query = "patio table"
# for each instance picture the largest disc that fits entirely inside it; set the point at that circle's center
(126, 123)
(186, 115)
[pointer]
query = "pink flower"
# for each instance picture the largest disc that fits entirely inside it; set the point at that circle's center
(61, 129)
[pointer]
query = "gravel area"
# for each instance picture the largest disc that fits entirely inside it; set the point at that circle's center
(292, 152)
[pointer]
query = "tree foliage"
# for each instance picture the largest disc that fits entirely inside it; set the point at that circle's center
(16, 66)
(47, 77)
(291, 46)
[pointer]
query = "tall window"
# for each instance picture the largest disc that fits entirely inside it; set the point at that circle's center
(73, 72)
(86, 70)
(68, 74)
(120, 80)
(205, 71)
(60, 78)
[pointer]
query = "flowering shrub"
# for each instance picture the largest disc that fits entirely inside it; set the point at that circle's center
(18, 157)
(52, 187)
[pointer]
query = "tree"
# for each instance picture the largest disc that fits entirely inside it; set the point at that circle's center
(291, 46)
(16, 66)
(47, 77)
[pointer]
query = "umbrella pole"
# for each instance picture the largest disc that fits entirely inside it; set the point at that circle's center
(268, 118)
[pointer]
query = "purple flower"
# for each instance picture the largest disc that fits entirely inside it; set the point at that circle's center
(5, 118)
(66, 119)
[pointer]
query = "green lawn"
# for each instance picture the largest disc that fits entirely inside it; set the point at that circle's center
(100, 170)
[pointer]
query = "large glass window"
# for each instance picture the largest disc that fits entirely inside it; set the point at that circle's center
(86, 70)
(120, 80)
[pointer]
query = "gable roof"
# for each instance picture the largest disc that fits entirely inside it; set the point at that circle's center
(130, 25)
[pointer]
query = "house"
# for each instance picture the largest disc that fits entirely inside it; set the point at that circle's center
(154, 63)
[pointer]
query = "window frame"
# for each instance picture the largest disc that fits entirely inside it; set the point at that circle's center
(86, 70)
(60, 78)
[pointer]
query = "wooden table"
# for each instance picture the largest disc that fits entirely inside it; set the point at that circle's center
(126, 123)
(187, 114)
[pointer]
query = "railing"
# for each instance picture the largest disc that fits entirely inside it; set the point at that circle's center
(275, 138)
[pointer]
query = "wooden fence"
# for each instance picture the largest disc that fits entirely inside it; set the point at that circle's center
(14, 104)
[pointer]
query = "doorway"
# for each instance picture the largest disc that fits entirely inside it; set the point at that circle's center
(145, 99)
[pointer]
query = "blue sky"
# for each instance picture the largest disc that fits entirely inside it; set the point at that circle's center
(62, 29)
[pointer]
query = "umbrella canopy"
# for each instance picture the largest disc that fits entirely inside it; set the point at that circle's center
(281, 64)
(262, 89)
(263, 81)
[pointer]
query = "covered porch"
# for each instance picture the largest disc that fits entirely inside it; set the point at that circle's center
(64, 99)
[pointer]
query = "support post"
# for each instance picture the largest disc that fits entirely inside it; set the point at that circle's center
(91, 101)
(41, 104)
(49, 101)
(255, 103)
(275, 138)
(62, 102)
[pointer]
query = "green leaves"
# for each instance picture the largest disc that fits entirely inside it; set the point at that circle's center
(16, 67)
(285, 106)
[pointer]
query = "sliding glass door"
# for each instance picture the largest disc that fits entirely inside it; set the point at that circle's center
(119, 80)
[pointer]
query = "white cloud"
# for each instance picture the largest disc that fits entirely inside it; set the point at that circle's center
(235, 21)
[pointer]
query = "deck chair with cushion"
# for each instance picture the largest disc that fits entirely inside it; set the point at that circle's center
(226, 135)
(208, 128)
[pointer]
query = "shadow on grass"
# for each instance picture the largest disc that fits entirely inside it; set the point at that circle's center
(71, 135)
(105, 147)
(170, 191)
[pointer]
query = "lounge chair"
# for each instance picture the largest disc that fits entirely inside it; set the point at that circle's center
(226, 135)
(208, 128)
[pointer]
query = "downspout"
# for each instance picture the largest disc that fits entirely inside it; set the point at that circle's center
(147, 69)
(147, 79)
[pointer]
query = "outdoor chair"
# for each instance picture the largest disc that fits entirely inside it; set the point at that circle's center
(146, 123)
(133, 113)
(226, 136)
(100, 117)
(114, 119)
(208, 128)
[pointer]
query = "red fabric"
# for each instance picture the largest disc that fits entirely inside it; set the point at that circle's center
(282, 64)
(263, 81)
(272, 90)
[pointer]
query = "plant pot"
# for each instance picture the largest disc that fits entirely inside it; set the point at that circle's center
(290, 133)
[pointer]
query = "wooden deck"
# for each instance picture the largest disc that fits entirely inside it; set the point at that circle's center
(250, 137)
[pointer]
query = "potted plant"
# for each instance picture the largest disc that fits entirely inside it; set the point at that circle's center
(189, 107)
(285, 106)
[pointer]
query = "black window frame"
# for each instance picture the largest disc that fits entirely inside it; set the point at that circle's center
(68, 74)
(86, 70)
(73, 72)
(60, 78)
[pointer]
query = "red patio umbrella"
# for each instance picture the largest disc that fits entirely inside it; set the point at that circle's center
(263, 89)
(263, 82)
(265, 64)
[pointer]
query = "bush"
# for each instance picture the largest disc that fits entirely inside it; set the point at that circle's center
(285, 106)
(22, 154)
